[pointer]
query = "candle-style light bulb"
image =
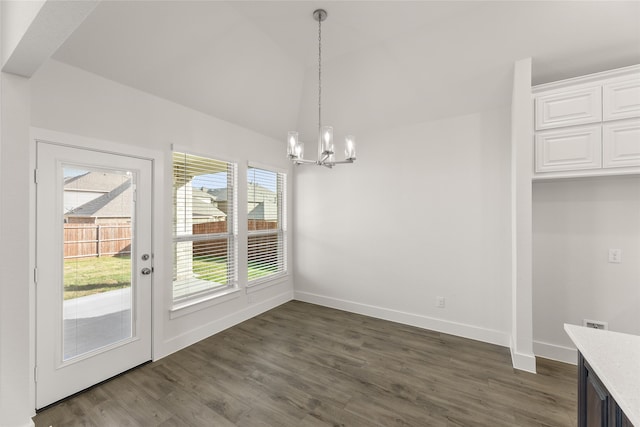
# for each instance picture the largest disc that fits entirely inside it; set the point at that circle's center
(350, 147)
(327, 139)
(292, 142)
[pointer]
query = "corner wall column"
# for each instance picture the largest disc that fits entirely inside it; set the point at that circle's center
(17, 358)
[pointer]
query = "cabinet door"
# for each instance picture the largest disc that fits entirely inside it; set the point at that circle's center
(621, 99)
(621, 144)
(568, 108)
(569, 149)
(597, 403)
(621, 419)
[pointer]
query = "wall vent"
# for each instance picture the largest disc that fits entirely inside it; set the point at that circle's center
(595, 324)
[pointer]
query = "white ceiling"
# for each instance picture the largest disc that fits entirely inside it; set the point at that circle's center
(385, 63)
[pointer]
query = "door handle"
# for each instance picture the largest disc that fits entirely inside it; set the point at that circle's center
(146, 271)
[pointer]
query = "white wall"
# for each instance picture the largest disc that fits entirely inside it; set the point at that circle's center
(70, 101)
(424, 212)
(15, 329)
(33, 30)
(16, 18)
(16, 361)
(575, 223)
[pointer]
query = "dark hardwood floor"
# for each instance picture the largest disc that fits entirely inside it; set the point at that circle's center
(306, 365)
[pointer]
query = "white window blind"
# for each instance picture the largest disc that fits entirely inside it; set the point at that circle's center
(267, 225)
(204, 226)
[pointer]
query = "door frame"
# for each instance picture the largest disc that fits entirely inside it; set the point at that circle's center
(156, 158)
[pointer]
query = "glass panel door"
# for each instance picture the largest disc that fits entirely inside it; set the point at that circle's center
(94, 265)
(98, 236)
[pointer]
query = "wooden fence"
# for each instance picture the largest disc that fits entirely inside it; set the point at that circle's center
(258, 245)
(96, 240)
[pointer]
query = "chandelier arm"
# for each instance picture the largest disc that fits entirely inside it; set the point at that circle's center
(305, 162)
(324, 157)
(339, 162)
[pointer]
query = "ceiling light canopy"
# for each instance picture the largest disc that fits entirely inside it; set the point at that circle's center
(326, 157)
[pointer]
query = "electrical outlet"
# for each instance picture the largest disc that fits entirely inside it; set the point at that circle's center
(440, 302)
(615, 256)
(595, 324)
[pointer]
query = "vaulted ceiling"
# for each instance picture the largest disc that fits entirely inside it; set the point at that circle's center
(385, 63)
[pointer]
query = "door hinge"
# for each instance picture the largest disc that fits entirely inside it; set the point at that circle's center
(35, 176)
(35, 374)
(35, 275)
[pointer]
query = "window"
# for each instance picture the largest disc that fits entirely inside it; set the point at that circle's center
(267, 225)
(204, 224)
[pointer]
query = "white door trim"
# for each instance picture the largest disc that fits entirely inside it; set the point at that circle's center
(158, 233)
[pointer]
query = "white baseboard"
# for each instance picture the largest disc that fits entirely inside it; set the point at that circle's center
(418, 320)
(523, 361)
(555, 352)
(198, 334)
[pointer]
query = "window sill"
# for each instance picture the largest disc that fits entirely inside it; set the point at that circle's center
(257, 285)
(188, 307)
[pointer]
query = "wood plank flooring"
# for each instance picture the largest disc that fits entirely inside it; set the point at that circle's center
(305, 365)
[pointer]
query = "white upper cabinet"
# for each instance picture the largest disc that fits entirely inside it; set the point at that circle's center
(621, 144)
(621, 100)
(568, 108)
(588, 126)
(576, 148)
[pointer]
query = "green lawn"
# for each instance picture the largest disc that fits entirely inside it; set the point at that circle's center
(87, 276)
(215, 269)
(258, 270)
(210, 269)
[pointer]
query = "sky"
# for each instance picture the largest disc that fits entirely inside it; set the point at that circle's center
(263, 178)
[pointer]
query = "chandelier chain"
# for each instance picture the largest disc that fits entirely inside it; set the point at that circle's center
(319, 74)
(325, 133)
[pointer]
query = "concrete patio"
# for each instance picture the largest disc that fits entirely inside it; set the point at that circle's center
(95, 321)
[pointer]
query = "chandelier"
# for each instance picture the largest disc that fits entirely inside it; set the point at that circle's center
(295, 148)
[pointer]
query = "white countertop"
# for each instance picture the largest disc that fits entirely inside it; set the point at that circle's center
(615, 358)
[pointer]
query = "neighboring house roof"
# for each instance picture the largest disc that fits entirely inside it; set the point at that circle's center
(114, 204)
(262, 203)
(204, 206)
(93, 181)
(115, 200)
(219, 194)
(256, 193)
(98, 194)
(257, 212)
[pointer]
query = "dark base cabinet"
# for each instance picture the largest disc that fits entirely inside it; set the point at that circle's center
(596, 407)
(622, 419)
